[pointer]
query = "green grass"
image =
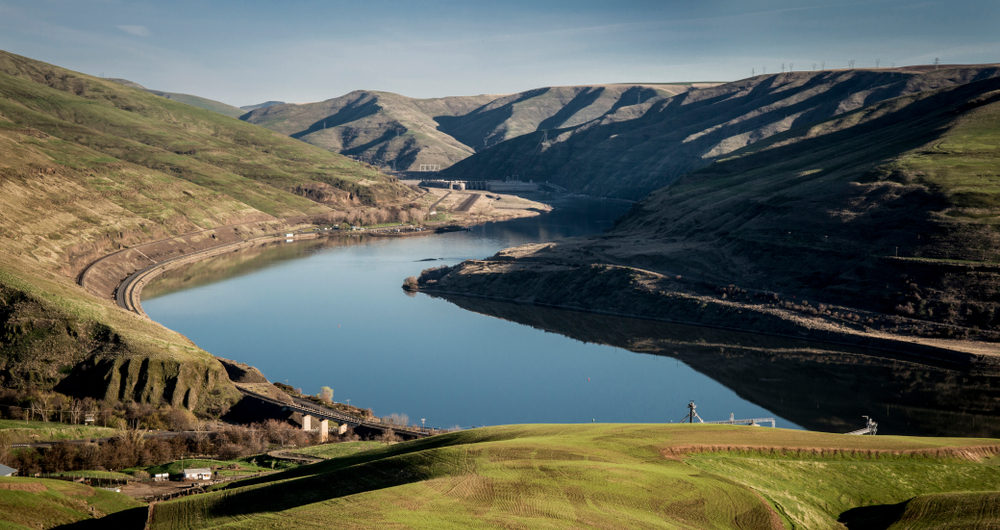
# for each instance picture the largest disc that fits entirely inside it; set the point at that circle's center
(45, 503)
(224, 467)
(964, 164)
(612, 476)
(339, 449)
(92, 474)
(20, 431)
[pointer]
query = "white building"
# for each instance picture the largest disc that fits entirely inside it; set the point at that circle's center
(7, 471)
(198, 473)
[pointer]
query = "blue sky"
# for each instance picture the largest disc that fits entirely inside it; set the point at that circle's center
(244, 52)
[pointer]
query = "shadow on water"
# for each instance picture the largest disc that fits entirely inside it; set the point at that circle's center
(820, 386)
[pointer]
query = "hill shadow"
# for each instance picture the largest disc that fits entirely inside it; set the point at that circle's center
(821, 386)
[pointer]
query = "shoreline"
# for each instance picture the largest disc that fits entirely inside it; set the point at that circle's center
(127, 291)
(896, 347)
(590, 291)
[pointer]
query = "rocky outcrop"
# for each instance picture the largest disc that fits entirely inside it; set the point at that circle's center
(47, 349)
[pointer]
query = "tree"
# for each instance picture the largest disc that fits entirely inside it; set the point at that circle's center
(326, 394)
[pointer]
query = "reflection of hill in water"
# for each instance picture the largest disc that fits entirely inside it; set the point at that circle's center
(238, 263)
(819, 386)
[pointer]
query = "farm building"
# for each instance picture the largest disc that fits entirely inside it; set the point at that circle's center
(198, 473)
(7, 471)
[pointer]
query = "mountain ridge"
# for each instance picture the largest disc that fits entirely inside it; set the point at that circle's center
(877, 221)
(197, 101)
(413, 134)
(628, 157)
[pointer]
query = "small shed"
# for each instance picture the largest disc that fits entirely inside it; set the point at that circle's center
(7, 471)
(160, 477)
(198, 473)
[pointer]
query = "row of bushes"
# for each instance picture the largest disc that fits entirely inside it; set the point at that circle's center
(133, 448)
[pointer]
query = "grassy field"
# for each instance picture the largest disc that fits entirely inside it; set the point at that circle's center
(20, 431)
(610, 476)
(339, 449)
(232, 467)
(92, 474)
(45, 503)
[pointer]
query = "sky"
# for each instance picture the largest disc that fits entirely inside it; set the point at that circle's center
(243, 52)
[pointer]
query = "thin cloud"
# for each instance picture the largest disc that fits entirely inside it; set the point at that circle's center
(138, 31)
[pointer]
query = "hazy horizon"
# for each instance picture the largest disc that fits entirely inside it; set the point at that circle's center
(244, 53)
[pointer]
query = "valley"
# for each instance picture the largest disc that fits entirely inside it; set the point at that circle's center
(813, 246)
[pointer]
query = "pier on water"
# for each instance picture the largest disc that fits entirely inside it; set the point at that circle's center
(756, 422)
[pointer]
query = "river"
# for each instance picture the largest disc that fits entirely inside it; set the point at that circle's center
(331, 313)
(336, 316)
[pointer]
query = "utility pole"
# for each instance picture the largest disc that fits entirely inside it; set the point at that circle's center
(692, 414)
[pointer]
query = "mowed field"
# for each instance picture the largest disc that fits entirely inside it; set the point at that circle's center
(616, 476)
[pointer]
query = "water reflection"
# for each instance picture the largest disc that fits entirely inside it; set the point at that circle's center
(331, 312)
(240, 263)
(819, 386)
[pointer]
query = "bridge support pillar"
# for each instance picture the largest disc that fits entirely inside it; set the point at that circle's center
(307, 422)
(342, 429)
(324, 430)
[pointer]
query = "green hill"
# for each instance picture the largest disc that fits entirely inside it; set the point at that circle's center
(629, 156)
(46, 503)
(883, 219)
(610, 476)
(188, 99)
(87, 167)
(394, 131)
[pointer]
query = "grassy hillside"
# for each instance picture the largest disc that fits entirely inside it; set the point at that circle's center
(45, 503)
(602, 476)
(22, 431)
(188, 99)
(826, 229)
(631, 155)
(398, 132)
(90, 166)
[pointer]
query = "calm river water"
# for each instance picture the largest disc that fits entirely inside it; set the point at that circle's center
(336, 316)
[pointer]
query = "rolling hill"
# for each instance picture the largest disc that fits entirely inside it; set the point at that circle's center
(613, 476)
(90, 166)
(406, 134)
(883, 219)
(195, 101)
(629, 154)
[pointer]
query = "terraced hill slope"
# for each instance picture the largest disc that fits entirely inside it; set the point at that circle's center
(631, 155)
(402, 133)
(883, 219)
(610, 476)
(88, 166)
